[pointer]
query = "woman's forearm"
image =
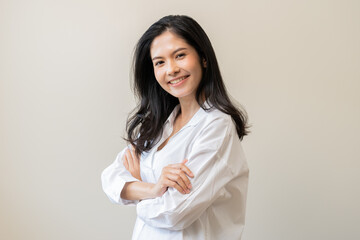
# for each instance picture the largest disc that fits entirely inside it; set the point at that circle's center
(137, 191)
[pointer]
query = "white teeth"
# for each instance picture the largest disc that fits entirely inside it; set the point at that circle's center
(178, 80)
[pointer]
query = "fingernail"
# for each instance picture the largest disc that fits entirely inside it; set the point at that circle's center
(189, 186)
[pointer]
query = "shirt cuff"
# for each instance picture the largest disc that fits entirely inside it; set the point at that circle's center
(117, 186)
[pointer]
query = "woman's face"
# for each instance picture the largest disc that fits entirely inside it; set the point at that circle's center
(176, 65)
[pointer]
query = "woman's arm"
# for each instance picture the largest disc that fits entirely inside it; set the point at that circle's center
(137, 191)
(216, 159)
(121, 181)
(114, 178)
(173, 175)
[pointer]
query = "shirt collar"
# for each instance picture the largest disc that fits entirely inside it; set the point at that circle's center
(173, 114)
(195, 119)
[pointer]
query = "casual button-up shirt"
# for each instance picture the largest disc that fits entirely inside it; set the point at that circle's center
(215, 206)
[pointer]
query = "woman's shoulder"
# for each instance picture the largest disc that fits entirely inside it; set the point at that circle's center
(213, 129)
(212, 114)
(214, 119)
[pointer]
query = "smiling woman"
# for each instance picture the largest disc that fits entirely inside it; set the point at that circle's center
(177, 65)
(184, 167)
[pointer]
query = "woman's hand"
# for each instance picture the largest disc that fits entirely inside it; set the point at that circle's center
(176, 176)
(132, 163)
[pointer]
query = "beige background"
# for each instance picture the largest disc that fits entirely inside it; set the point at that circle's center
(65, 96)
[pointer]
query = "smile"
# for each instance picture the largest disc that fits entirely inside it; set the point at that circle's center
(178, 80)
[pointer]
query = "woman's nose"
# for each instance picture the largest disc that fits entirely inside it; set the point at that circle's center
(172, 68)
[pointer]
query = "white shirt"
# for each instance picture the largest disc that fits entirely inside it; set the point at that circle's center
(215, 206)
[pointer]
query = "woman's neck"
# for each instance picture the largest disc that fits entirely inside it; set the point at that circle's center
(188, 108)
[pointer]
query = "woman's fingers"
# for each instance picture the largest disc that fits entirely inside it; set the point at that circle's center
(170, 183)
(176, 176)
(179, 181)
(129, 158)
(179, 173)
(134, 155)
(125, 162)
(186, 170)
(182, 167)
(132, 164)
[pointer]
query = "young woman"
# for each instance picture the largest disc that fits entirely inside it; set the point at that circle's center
(184, 167)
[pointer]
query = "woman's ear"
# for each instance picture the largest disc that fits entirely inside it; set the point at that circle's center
(204, 63)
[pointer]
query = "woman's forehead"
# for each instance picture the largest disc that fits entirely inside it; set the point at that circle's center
(166, 43)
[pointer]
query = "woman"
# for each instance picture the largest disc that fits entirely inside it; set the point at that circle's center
(184, 167)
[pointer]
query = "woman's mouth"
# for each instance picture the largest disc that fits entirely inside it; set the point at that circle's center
(178, 81)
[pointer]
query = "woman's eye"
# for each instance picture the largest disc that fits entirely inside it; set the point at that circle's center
(180, 55)
(157, 63)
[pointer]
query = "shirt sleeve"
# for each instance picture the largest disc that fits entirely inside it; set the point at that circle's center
(113, 179)
(210, 160)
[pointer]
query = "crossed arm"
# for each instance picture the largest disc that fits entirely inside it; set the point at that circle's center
(173, 175)
(216, 159)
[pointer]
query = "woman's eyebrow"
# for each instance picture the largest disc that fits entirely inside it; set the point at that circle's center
(179, 49)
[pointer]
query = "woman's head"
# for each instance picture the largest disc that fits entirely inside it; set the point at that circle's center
(155, 105)
(177, 66)
(186, 29)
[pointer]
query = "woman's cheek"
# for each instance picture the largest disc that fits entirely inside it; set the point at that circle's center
(156, 73)
(159, 77)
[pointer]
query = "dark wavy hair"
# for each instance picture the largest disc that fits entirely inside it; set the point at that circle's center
(144, 125)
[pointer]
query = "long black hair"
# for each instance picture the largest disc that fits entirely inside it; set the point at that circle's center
(144, 126)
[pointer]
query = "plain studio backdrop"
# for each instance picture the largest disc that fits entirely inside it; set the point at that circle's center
(65, 95)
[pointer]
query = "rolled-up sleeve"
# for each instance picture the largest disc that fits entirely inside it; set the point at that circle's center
(113, 179)
(210, 159)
